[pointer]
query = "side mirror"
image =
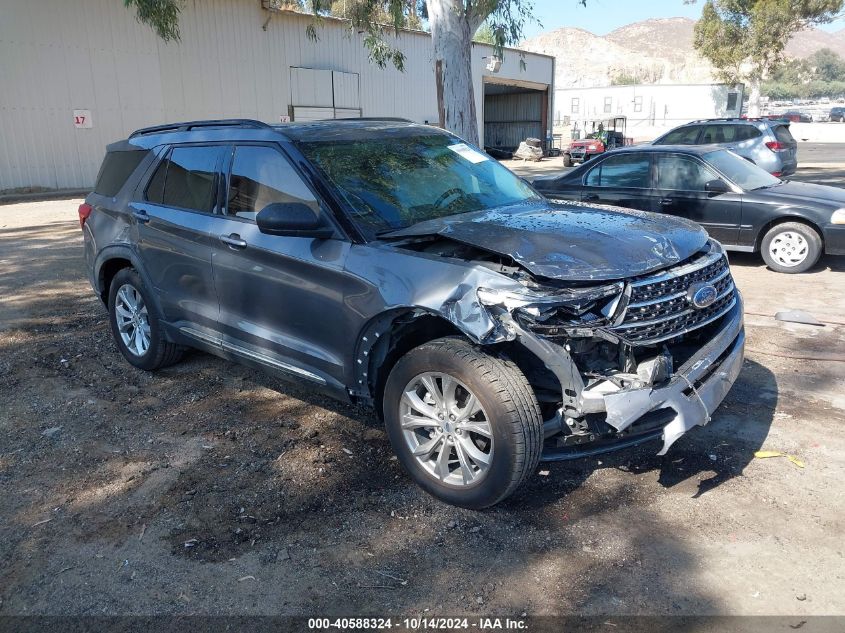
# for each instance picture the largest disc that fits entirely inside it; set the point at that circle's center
(716, 187)
(294, 219)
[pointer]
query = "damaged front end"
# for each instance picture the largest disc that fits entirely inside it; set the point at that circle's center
(627, 361)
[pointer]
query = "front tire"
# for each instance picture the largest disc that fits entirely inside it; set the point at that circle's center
(136, 324)
(464, 424)
(567, 160)
(791, 247)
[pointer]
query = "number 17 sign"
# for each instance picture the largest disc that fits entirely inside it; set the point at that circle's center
(82, 119)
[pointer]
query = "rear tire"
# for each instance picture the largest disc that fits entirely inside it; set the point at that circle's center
(567, 160)
(791, 247)
(506, 429)
(136, 324)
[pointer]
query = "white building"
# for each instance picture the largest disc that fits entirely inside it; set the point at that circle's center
(650, 109)
(78, 75)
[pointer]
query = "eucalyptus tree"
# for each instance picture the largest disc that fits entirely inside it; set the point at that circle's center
(745, 39)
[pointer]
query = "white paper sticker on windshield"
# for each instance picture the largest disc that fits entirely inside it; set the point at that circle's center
(467, 153)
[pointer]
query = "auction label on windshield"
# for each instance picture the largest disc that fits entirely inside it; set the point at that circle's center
(467, 153)
(417, 624)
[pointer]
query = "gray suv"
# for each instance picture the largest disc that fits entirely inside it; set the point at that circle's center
(393, 265)
(766, 143)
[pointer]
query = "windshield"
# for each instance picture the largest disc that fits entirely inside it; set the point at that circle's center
(742, 172)
(392, 183)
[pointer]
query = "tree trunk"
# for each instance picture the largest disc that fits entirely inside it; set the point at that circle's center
(451, 35)
(754, 97)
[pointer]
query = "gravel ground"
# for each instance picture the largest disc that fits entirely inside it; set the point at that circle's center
(210, 488)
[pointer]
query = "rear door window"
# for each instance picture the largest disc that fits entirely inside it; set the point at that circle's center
(621, 171)
(728, 133)
(718, 134)
(746, 132)
(682, 136)
(187, 179)
(261, 176)
(682, 173)
(116, 169)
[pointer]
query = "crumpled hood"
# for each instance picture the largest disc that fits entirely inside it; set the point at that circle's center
(573, 241)
(801, 193)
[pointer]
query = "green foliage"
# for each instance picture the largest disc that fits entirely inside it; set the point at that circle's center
(485, 34)
(624, 79)
(827, 65)
(822, 74)
(161, 15)
(745, 39)
(500, 23)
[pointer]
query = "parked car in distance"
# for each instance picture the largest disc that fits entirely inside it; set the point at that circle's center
(796, 116)
(747, 209)
(837, 114)
(766, 143)
(391, 264)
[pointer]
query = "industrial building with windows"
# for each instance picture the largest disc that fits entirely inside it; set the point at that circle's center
(649, 109)
(80, 75)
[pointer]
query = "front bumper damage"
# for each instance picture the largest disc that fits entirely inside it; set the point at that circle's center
(687, 399)
(694, 391)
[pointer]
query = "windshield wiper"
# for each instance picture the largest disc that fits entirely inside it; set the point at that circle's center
(387, 232)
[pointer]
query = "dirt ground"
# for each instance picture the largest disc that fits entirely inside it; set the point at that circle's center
(209, 488)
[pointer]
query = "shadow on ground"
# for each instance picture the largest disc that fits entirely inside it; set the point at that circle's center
(212, 488)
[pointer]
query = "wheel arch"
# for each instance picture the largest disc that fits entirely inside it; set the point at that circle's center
(783, 219)
(112, 260)
(385, 339)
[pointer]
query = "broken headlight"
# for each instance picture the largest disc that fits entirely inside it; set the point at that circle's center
(571, 304)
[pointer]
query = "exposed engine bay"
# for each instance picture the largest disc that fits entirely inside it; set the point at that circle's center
(604, 357)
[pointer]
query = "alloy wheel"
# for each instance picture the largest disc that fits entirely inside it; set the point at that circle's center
(132, 318)
(446, 429)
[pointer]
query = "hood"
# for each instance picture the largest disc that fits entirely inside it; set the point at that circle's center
(802, 193)
(573, 241)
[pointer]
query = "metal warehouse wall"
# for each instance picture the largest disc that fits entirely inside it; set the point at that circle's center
(58, 56)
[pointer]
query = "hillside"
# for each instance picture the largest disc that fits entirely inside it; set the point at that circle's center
(651, 51)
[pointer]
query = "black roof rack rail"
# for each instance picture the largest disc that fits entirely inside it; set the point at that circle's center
(384, 118)
(190, 125)
(720, 118)
(361, 118)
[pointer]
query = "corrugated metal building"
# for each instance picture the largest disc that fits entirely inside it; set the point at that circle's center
(78, 75)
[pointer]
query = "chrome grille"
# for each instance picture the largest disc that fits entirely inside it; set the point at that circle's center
(659, 309)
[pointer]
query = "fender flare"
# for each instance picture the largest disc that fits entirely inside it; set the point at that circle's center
(122, 251)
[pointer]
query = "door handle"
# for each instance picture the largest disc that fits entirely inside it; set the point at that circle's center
(590, 197)
(667, 201)
(141, 216)
(233, 241)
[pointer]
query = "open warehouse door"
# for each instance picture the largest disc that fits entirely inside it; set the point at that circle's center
(513, 111)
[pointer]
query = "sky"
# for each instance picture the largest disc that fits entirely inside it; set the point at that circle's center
(603, 16)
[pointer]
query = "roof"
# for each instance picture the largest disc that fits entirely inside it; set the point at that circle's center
(696, 150)
(352, 129)
(252, 130)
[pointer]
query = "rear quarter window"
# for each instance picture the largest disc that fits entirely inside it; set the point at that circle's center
(783, 134)
(116, 168)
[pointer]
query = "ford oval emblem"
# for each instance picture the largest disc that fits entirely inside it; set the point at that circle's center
(702, 295)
